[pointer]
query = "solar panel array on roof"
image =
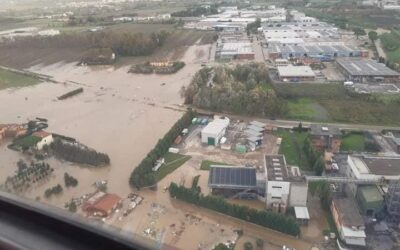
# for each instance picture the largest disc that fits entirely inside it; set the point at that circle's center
(232, 177)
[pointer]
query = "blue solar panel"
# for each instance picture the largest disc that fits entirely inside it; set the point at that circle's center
(233, 177)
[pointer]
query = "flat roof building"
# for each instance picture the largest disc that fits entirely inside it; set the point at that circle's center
(295, 73)
(366, 70)
(364, 167)
(370, 200)
(284, 186)
(348, 221)
(235, 50)
(214, 131)
(319, 52)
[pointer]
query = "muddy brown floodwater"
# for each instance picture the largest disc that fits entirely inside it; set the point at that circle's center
(122, 115)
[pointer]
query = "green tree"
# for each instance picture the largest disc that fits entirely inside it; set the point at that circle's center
(359, 32)
(319, 165)
(260, 243)
(248, 246)
(372, 35)
(72, 207)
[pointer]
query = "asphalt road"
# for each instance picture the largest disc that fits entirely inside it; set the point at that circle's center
(292, 123)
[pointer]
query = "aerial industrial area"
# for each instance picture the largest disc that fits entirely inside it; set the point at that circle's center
(207, 125)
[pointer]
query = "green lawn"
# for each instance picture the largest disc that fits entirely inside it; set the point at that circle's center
(172, 162)
(10, 79)
(27, 141)
(301, 109)
(205, 164)
(353, 142)
(292, 147)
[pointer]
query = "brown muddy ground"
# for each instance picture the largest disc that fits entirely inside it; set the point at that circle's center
(124, 115)
(174, 49)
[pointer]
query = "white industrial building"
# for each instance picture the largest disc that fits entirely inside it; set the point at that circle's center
(284, 185)
(295, 73)
(234, 50)
(214, 131)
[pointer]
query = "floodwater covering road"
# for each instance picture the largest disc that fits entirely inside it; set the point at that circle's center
(123, 115)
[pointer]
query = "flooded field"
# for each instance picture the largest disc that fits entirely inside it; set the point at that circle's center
(124, 115)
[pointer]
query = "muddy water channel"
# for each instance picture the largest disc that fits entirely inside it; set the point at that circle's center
(123, 115)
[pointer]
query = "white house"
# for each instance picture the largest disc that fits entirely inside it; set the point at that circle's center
(46, 139)
(214, 131)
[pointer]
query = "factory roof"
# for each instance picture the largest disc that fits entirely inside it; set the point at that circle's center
(251, 132)
(258, 124)
(301, 213)
(378, 165)
(370, 193)
(295, 71)
(348, 212)
(254, 138)
(216, 126)
(232, 177)
(314, 49)
(255, 128)
(237, 48)
(365, 67)
(276, 168)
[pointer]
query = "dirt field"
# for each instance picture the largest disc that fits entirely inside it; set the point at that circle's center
(174, 48)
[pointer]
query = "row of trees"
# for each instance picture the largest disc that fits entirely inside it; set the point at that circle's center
(53, 191)
(70, 181)
(391, 41)
(143, 175)
(26, 175)
(122, 43)
(243, 90)
(196, 11)
(315, 157)
(271, 220)
(78, 153)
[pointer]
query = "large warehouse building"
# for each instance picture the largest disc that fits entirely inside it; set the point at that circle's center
(366, 71)
(295, 73)
(325, 52)
(234, 50)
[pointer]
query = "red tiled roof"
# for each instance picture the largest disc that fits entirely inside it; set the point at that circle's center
(107, 202)
(41, 134)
